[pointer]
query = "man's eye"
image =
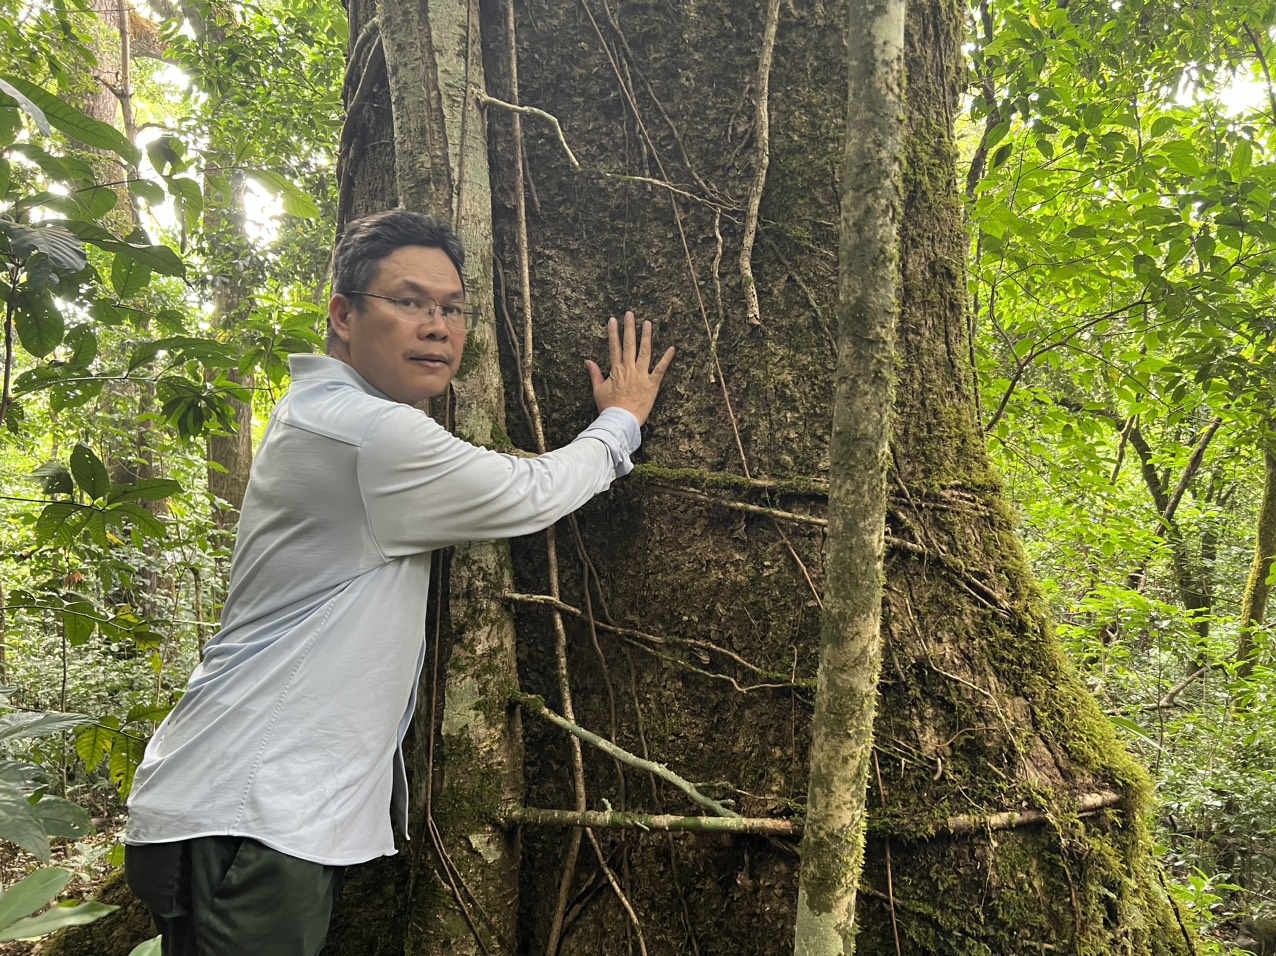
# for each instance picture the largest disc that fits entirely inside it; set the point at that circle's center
(452, 311)
(409, 303)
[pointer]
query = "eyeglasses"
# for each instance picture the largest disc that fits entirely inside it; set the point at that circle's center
(415, 308)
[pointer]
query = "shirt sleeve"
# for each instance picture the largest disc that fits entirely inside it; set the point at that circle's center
(423, 488)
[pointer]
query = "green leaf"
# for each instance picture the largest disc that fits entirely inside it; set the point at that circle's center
(27, 106)
(145, 522)
(60, 521)
(77, 125)
(19, 825)
(64, 249)
(83, 345)
(147, 489)
(89, 472)
(63, 818)
(151, 193)
(40, 325)
(165, 152)
(296, 202)
(125, 757)
(59, 917)
(78, 621)
(147, 713)
(22, 775)
(23, 724)
(159, 259)
(152, 947)
(128, 276)
(54, 478)
(94, 742)
(31, 893)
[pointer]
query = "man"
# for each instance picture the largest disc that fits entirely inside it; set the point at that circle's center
(280, 764)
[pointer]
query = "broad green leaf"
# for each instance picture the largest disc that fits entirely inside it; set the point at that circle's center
(63, 818)
(79, 619)
(31, 893)
(128, 276)
(83, 345)
(141, 519)
(54, 478)
(27, 106)
(96, 201)
(22, 775)
(94, 742)
(59, 917)
(147, 489)
(152, 947)
(40, 325)
(147, 713)
(20, 725)
(159, 259)
(150, 193)
(64, 249)
(77, 125)
(296, 201)
(89, 472)
(61, 520)
(126, 754)
(165, 152)
(19, 825)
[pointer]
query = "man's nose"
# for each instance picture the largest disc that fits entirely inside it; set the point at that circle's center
(433, 326)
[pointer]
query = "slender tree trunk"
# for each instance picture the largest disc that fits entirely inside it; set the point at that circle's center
(1254, 602)
(467, 757)
(850, 641)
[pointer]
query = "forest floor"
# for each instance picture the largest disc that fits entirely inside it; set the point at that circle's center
(89, 861)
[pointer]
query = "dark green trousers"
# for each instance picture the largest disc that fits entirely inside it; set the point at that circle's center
(231, 896)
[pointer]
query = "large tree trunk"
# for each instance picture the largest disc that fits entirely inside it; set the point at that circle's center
(981, 715)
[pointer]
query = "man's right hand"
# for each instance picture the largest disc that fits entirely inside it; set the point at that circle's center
(633, 385)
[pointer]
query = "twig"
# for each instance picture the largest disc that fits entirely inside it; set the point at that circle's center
(740, 505)
(536, 705)
(762, 135)
(620, 894)
(1087, 805)
(486, 100)
(656, 822)
(810, 487)
(546, 600)
(1172, 694)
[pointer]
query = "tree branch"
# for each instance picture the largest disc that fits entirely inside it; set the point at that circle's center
(536, 705)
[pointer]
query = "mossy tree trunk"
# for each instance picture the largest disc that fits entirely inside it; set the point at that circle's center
(863, 394)
(674, 164)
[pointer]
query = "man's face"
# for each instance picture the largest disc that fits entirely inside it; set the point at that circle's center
(408, 361)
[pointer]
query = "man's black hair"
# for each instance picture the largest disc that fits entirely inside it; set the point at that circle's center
(365, 242)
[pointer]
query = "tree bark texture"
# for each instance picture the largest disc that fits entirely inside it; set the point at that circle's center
(699, 594)
(841, 750)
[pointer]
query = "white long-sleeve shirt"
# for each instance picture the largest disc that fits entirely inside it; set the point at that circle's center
(290, 731)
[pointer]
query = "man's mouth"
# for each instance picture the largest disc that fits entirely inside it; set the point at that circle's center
(430, 361)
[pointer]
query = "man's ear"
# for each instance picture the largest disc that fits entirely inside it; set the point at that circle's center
(339, 309)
